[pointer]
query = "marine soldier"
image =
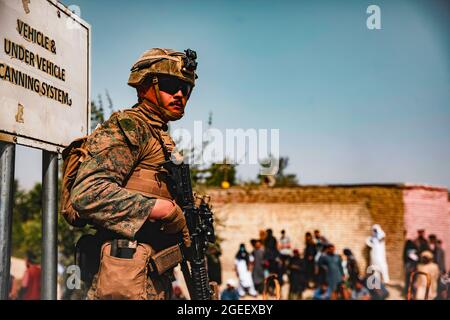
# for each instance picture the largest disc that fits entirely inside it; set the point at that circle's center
(122, 188)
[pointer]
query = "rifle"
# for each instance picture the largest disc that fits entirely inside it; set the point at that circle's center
(199, 220)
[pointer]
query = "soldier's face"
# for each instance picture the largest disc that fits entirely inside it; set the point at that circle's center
(175, 103)
(174, 94)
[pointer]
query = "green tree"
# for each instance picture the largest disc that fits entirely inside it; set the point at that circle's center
(98, 115)
(26, 228)
(219, 172)
(285, 179)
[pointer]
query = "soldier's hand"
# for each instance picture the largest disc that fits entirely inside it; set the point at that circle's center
(174, 221)
(172, 218)
(186, 237)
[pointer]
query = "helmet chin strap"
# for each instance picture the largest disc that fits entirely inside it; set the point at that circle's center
(166, 115)
(158, 95)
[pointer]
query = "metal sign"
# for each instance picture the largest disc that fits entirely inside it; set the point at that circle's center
(44, 74)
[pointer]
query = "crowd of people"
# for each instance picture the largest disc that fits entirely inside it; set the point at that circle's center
(318, 267)
(426, 256)
(334, 276)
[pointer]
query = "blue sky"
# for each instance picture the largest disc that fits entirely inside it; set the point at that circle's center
(353, 105)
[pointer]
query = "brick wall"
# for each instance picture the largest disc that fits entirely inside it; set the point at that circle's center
(376, 204)
(346, 225)
(343, 213)
(428, 208)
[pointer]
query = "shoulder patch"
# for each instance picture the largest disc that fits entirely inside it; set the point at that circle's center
(127, 124)
(129, 128)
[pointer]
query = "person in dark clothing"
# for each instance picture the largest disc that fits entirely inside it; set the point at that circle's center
(332, 264)
(230, 293)
(308, 255)
(213, 254)
(258, 265)
(285, 252)
(341, 292)
(352, 268)
(444, 287)
(321, 241)
(410, 261)
(321, 244)
(270, 245)
(320, 271)
(360, 292)
(242, 253)
(376, 292)
(322, 292)
(421, 242)
(438, 252)
(297, 279)
(271, 255)
(442, 255)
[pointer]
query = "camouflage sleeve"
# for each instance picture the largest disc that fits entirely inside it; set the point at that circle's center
(98, 194)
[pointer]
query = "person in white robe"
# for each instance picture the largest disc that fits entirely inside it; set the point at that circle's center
(376, 243)
(242, 267)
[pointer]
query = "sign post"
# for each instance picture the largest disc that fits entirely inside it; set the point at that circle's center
(45, 104)
(7, 154)
(49, 223)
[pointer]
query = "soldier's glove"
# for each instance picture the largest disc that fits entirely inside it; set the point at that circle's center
(186, 237)
(175, 222)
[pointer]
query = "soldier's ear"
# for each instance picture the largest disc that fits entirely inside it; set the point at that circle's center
(140, 91)
(143, 87)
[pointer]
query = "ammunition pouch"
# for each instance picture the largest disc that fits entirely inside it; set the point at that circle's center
(165, 260)
(123, 278)
(128, 278)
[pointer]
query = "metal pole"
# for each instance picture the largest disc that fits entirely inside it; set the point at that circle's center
(7, 158)
(49, 224)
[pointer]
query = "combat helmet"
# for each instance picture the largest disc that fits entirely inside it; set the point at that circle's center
(159, 61)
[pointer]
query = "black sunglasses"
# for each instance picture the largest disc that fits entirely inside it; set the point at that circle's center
(173, 85)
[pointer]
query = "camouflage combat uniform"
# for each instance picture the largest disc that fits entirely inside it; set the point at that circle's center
(121, 177)
(123, 145)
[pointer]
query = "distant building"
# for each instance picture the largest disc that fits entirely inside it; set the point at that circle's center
(343, 213)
